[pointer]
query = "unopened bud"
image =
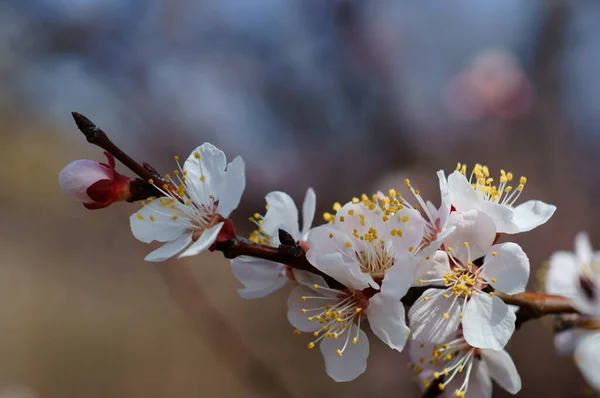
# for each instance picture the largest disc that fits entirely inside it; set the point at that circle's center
(96, 185)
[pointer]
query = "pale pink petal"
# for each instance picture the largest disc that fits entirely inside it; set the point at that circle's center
(260, 277)
(308, 211)
(562, 274)
(532, 214)
(488, 322)
(472, 226)
(353, 361)
(587, 357)
(229, 193)
(399, 277)
(508, 270)
(170, 249)
(154, 222)
(79, 175)
(427, 319)
(502, 370)
(566, 342)
(207, 238)
(387, 319)
(434, 268)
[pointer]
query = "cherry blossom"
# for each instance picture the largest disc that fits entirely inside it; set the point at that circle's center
(262, 277)
(497, 201)
(465, 292)
(190, 219)
(459, 369)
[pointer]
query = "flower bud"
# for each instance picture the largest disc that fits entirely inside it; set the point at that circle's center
(96, 185)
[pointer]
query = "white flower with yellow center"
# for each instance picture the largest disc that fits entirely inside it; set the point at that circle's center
(334, 317)
(262, 277)
(480, 192)
(464, 290)
(190, 219)
(577, 276)
(461, 370)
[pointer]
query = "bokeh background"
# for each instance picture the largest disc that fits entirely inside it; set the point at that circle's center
(346, 96)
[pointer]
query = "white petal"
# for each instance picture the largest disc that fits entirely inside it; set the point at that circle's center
(480, 384)
(210, 166)
(566, 342)
(387, 319)
(308, 278)
(444, 211)
(532, 214)
(502, 216)
(434, 268)
(427, 320)
(488, 322)
(508, 271)
(412, 230)
(420, 350)
(399, 277)
(462, 194)
(330, 256)
(260, 277)
(170, 249)
(281, 214)
(583, 248)
(308, 211)
(297, 317)
(502, 370)
(207, 238)
(472, 226)
(162, 229)
(587, 356)
(353, 363)
(562, 274)
(232, 187)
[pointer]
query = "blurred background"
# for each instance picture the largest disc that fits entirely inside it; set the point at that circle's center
(346, 96)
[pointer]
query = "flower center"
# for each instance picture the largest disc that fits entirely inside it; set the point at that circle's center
(455, 357)
(338, 317)
(484, 185)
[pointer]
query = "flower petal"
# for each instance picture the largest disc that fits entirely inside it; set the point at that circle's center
(445, 205)
(488, 322)
(480, 384)
(282, 213)
(583, 248)
(308, 211)
(508, 270)
(207, 238)
(412, 225)
(587, 356)
(331, 256)
(170, 249)
(427, 320)
(562, 274)
(531, 214)
(232, 187)
(260, 277)
(309, 278)
(399, 277)
(472, 226)
(434, 268)
(565, 342)
(353, 362)
(299, 318)
(205, 170)
(387, 319)
(160, 227)
(462, 194)
(502, 370)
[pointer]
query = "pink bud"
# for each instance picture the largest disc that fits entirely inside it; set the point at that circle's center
(96, 185)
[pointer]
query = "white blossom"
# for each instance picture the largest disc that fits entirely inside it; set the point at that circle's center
(262, 277)
(190, 220)
(459, 369)
(480, 192)
(463, 294)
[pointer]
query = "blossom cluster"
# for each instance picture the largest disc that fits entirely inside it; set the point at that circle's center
(371, 252)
